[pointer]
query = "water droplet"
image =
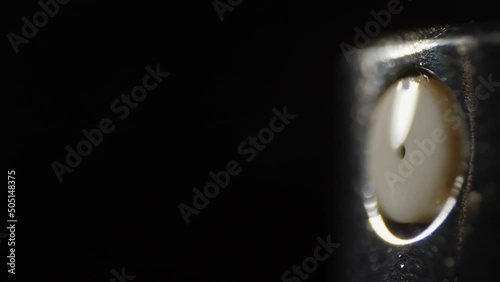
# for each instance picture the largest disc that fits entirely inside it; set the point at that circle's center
(449, 262)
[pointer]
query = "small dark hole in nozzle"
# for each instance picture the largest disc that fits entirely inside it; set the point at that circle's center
(402, 151)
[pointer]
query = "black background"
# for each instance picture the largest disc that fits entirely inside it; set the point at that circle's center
(119, 208)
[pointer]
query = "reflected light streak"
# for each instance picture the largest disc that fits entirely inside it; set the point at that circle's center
(378, 225)
(403, 112)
